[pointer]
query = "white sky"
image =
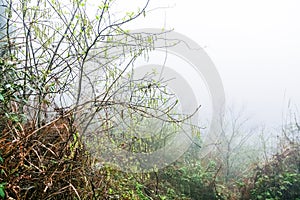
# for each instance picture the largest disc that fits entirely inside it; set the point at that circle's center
(255, 45)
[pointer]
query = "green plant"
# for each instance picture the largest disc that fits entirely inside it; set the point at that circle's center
(280, 178)
(2, 189)
(10, 91)
(2, 184)
(189, 180)
(139, 190)
(284, 185)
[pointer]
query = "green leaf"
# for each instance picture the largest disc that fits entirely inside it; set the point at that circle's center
(1, 97)
(2, 193)
(1, 159)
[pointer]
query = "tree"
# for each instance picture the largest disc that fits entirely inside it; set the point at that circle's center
(69, 61)
(234, 145)
(63, 63)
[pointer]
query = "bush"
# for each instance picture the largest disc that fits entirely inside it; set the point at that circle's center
(279, 179)
(190, 179)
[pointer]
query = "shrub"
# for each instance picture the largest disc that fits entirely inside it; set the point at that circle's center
(279, 179)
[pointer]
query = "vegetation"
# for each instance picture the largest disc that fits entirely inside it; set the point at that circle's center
(51, 96)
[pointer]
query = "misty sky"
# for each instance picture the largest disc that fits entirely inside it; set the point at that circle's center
(255, 46)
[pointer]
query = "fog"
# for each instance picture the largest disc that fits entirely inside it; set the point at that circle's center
(254, 45)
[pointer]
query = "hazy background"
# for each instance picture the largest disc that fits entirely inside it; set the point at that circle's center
(255, 46)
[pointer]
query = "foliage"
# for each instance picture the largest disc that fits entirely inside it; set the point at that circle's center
(279, 179)
(2, 188)
(2, 184)
(190, 178)
(10, 93)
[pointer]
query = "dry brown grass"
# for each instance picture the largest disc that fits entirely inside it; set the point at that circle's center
(48, 162)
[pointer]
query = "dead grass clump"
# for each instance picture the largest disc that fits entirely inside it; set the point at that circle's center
(48, 162)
